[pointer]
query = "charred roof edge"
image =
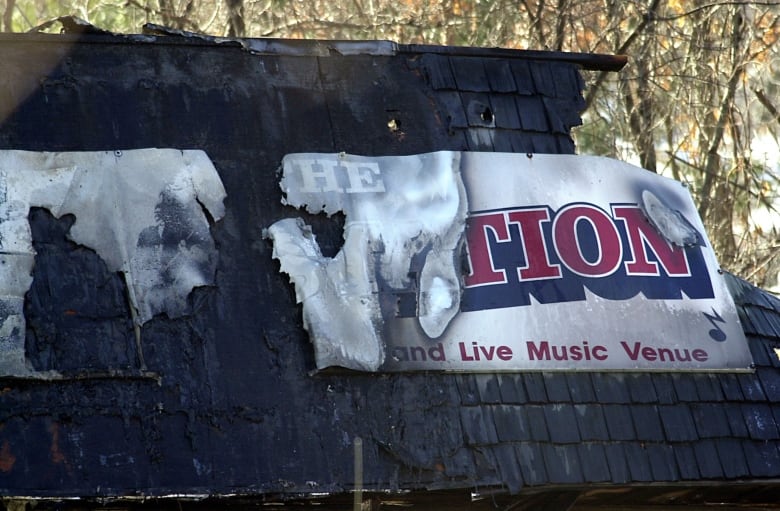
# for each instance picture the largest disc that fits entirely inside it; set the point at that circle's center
(324, 47)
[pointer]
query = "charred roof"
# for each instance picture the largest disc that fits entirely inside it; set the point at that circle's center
(222, 401)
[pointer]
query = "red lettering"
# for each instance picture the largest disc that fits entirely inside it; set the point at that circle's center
(483, 271)
(488, 352)
(537, 260)
(633, 354)
(568, 245)
(651, 354)
(504, 353)
(642, 237)
(463, 355)
(478, 352)
(544, 351)
(599, 352)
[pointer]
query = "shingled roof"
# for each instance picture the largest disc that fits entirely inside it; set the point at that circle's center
(223, 403)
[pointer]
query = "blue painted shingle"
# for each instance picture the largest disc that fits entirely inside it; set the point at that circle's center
(731, 387)
(732, 458)
(759, 321)
(505, 111)
(640, 388)
(469, 73)
(543, 78)
(763, 458)
(708, 387)
(711, 420)
(478, 425)
(555, 118)
(772, 316)
(561, 423)
(468, 389)
(537, 423)
(511, 423)
(499, 75)
(534, 386)
(593, 458)
(758, 350)
(511, 388)
(452, 106)
(529, 456)
(678, 423)
(687, 464)
(751, 387)
(437, 69)
(502, 140)
(486, 465)
(580, 387)
(618, 462)
(543, 143)
(521, 142)
(591, 422)
(562, 463)
(638, 462)
(736, 420)
(611, 388)
(760, 421)
(708, 460)
(522, 74)
(508, 466)
(647, 423)
(489, 392)
(685, 387)
(662, 462)
(744, 320)
(568, 82)
(664, 388)
(565, 144)
(557, 387)
(480, 139)
(619, 422)
(533, 116)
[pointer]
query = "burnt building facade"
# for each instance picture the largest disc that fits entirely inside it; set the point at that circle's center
(217, 396)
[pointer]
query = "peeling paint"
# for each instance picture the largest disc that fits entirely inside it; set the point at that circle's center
(404, 229)
(142, 211)
(669, 223)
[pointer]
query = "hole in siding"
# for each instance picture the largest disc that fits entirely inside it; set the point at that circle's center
(486, 115)
(394, 125)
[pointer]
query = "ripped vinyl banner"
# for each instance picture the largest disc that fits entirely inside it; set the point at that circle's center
(142, 211)
(505, 262)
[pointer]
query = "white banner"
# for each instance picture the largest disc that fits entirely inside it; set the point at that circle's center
(505, 262)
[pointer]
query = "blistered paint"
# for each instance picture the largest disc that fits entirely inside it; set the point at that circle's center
(670, 223)
(404, 229)
(142, 211)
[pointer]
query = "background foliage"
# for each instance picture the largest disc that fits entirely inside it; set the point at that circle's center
(698, 100)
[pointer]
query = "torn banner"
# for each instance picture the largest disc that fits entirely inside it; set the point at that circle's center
(505, 262)
(142, 211)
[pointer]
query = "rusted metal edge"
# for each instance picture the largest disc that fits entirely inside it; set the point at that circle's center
(154, 34)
